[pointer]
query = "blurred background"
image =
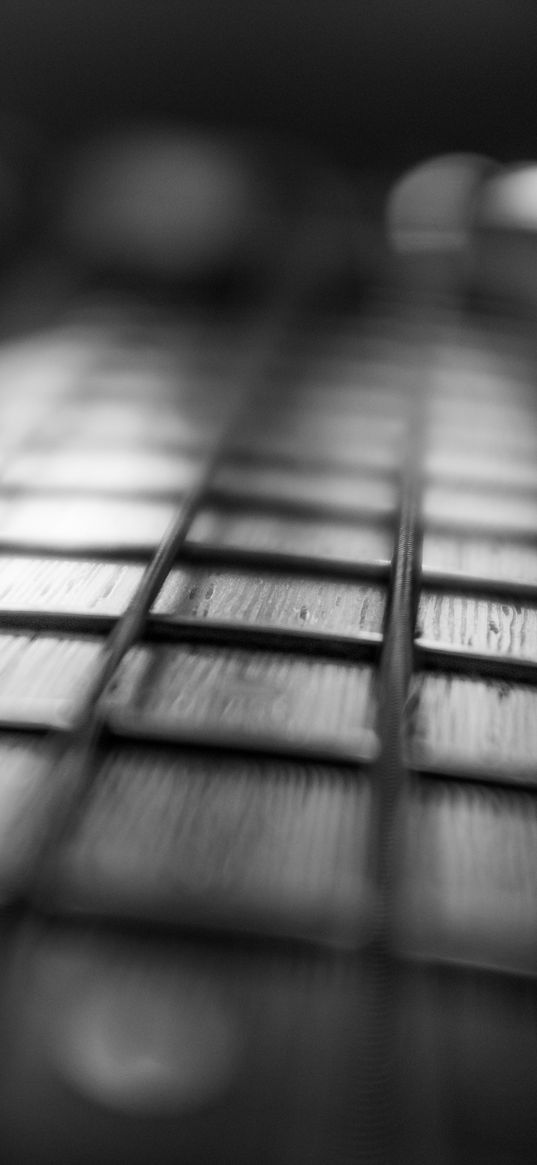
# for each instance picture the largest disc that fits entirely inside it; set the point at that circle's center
(370, 81)
(212, 949)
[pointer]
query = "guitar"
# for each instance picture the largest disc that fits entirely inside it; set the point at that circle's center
(267, 689)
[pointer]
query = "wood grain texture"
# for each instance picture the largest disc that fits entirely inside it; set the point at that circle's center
(470, 875)
(76, 523)
(207, 593)
(458, 720)
(272, 600)
(42, 676)
(63, 584)
(24, 803)
(485, 557)
(253, 530)
(254, 692)
(164, 831)
(482, 624)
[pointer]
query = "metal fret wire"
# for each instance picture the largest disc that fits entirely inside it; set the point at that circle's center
(137, 624)
(77, 749)
(398, 654)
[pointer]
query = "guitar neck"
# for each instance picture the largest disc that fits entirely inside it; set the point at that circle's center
(268, 650)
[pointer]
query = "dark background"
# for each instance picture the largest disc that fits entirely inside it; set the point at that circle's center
(372, 79)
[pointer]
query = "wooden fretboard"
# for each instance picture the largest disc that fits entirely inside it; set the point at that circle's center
(268, 732)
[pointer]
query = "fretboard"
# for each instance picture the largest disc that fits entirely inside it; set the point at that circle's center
(268, 729)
